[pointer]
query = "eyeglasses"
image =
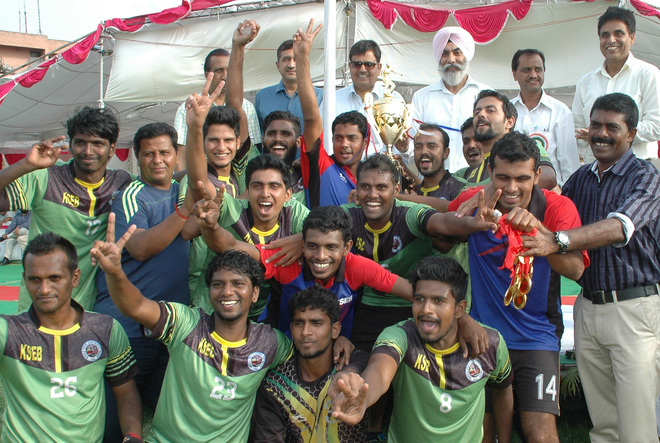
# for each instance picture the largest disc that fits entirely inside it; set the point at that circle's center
(368, 65)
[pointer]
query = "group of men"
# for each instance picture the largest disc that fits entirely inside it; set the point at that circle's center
(210, 276)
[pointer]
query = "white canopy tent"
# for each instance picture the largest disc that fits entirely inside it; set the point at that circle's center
(146, 74)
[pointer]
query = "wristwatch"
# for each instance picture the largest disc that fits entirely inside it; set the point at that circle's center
(563, 241)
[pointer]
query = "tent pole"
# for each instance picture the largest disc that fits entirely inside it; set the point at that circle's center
(330, 20)
(101, 104)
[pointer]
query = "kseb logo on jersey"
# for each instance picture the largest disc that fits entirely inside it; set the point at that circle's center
(70, 199)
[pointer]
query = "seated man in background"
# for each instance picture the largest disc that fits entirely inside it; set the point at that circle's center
(16, 234)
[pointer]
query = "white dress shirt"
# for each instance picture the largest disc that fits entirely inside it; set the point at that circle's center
(638, 79)
(348, 100)
(551, 123)
(436, 104)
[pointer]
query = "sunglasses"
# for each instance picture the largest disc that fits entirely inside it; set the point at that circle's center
(368, 65)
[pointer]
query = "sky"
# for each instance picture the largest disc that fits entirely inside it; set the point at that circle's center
(71, 19)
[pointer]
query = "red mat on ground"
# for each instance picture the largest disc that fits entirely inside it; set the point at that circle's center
(8, 293)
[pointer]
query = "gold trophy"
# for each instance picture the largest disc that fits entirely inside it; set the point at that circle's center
(392, 116)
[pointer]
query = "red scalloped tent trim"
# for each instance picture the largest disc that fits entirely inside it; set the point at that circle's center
(483, 23)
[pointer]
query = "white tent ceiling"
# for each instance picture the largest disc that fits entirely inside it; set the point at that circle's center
(152, 70)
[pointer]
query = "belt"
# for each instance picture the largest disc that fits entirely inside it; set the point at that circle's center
(603, 297)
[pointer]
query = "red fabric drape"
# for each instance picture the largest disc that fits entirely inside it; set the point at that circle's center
(13, 158)
(171, 15)
(34, 76)
(78, 53)
(483, 23)
(122, 153)
(645, 9)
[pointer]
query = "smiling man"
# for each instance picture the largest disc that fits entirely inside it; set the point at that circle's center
(293, 402)
(156, 256)
(530, 336)
(431, 149)
(542, 117)
(282, 138)
(328, 179)
(327, 261)
(471, 149)
(396, 234)
(56, 355)
(364, 65)
(620, 72)
(267, 215)
(438, 392)
(217, 361)
(449, 101)
(618, 198)
(70, 199)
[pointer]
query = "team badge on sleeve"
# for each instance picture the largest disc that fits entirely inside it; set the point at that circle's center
(91, 350)
(256, 360)
(473, 371)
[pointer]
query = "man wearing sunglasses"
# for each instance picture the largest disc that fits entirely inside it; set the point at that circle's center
(365, 68)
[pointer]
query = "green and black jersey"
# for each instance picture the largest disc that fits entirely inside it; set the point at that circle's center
(439, 394)
(53, 380)
(210, 384)
(72, 208)
(397, 247)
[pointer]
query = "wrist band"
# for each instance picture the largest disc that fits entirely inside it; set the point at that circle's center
(179, 214)
(132, 438)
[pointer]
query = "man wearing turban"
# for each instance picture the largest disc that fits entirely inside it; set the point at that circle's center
(449, 101)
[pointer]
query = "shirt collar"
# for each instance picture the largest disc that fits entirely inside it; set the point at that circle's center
(377, 90)
(629, 62)
(280, 87)
(545, 101)
(620, 167)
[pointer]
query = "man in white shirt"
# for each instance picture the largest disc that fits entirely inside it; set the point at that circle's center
(620, 72)
(449, 101)
(544, 118)
(216, 63)
(365, 68)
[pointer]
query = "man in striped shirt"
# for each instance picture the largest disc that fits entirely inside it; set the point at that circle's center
(617, 332)
(156, 256)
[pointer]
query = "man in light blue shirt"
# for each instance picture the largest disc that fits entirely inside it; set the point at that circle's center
(284, 95)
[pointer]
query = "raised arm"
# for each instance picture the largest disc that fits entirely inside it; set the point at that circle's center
(197, 109)
(216, 237)
(302, 45)
(244, 34)
(128, 299)
(42, 155)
